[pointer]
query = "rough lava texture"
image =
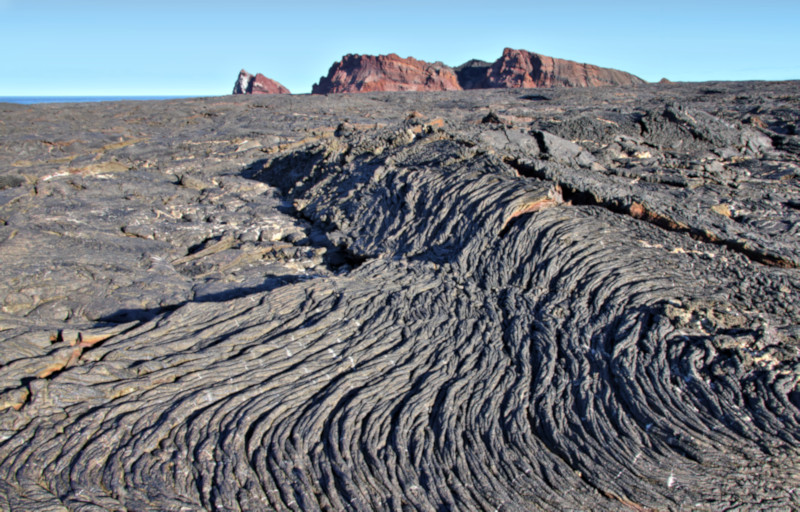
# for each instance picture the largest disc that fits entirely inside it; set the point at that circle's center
(258, 84)
(566, 299)
(523, 69)
(368, 73)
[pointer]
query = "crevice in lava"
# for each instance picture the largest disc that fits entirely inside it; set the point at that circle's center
(585, 197)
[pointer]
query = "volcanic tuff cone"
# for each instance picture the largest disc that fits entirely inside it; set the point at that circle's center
(367, 73)
(524, 69)
(514, 69)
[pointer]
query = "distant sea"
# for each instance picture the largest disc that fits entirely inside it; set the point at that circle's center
(27, 100)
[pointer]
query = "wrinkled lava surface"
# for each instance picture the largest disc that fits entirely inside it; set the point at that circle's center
(477, 300)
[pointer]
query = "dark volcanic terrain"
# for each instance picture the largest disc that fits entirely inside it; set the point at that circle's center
(499, 299)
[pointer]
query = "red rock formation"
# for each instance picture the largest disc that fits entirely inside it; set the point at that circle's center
(523, 69)
(366, 73)
(258, 84)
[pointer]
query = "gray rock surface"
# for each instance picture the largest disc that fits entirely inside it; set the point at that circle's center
(473, 300)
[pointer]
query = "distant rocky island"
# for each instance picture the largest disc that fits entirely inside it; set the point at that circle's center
(514, 69)
(257, 84)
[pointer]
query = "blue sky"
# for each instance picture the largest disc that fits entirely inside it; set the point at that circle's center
(147, 47)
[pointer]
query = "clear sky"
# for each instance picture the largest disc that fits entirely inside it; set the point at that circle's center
(197, 47)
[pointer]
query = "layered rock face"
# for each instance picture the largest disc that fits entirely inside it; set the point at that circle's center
(368, 73)
(257, 84)
(524, 69)
(515, 69)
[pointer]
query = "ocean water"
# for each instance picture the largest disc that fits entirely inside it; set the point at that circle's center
(27, 100)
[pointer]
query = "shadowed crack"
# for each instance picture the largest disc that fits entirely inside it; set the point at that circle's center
(624, 205)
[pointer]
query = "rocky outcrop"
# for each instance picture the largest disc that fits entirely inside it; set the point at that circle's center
(472, 74)
(523, 69)
(368, 73)
(257, 84)
(515, 69)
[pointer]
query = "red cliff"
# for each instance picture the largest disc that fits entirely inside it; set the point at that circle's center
(258, 84)
(523, 69)
(367, 73)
